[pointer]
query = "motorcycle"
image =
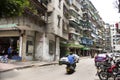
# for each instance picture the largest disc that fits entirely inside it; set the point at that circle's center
(117, 76)
(4, 59)
(108, 71)
(70, 68)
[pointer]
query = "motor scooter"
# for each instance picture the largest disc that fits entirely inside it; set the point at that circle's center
(4, 59)
(108, 71)
(70, 68)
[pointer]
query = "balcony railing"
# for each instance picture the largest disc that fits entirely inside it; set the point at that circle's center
(50, 7)
(85, 25)
(66, 12)
(41, 5)
(42, 19)
(74, 22)
(73, 13)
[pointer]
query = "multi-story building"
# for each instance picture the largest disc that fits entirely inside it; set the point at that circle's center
(107, 44)
(57, 28)
(25, 33)
(115, 37)
(94, 27)
(86, 27)
(75, 23)
(75, 29)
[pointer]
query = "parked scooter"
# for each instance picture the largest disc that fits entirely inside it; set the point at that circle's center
(4, 59)
(117, 76)
(108, 71)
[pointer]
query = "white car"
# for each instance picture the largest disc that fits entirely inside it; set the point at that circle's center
(76, 58)
(63, 60)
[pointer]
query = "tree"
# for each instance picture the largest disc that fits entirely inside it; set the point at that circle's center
(117, 5)
(10, 8)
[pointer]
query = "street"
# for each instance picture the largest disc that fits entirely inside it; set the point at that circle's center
(85, 70)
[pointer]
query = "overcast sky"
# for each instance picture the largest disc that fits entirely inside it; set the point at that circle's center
(107, 10)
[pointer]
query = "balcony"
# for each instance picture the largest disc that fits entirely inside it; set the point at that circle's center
(86, 25)
(67, 2)
(39, 13)
(73, 12)
(50, 7)
(74, 37)
(73, 22)
(76, 4)
(41, 19)
(66, 12)
(86, 16)
(74, 18)
(84, 6)
(41, 5)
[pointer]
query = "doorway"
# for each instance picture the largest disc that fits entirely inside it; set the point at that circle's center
(5, 42)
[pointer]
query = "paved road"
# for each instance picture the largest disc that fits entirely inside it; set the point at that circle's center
(85, 70)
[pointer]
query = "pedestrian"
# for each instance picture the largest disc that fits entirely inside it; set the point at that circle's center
(9, 52)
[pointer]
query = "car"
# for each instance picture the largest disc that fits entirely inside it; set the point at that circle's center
(100, 59)
(110, 54)
(116, 57)
(63, 60)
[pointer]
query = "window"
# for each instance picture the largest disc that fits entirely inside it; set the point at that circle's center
(29, 48)
(113, 42)
(113, 47)
(58, 20)
(64, 26)
(59, 4)
(51, 47)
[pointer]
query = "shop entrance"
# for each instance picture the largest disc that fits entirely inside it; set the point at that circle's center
(6, 42)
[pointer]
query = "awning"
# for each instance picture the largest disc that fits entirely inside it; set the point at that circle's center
(86, 48)
(70, 45)
(8, 27)
(99, 49)
(16, 27)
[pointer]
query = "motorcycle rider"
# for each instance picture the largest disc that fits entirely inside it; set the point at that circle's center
(71, 59)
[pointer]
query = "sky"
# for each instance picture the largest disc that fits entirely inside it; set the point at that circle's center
(107, 10)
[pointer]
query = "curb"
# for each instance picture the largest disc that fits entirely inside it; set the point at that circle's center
(34, 65)
(28, 66)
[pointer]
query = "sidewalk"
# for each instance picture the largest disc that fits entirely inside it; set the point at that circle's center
(21, 65)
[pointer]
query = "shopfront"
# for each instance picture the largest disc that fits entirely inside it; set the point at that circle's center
(7, 39)
(6, 42)
(20, 38)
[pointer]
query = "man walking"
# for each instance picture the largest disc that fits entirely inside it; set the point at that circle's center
(10, 52)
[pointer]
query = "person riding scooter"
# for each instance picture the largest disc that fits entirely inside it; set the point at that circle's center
(71, 59)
